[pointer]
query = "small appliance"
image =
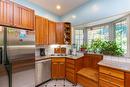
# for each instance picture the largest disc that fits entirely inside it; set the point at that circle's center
(42, 52)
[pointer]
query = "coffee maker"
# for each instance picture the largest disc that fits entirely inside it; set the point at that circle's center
(42, 52)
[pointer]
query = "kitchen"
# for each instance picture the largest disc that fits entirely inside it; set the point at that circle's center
(64, 43)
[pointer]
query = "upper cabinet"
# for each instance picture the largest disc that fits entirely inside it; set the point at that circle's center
(15, 15)
(52, 32)
(6, 13)
(63, 33)
(49, 32)
(41, 30)
(59, 33)
(23, 17)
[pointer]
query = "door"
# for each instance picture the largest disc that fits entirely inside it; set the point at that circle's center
(55, 70)
(127, 79)
(45, 32)
(60, 33)
(23, 17)
(27, 18)
(39, 30)
(5, 69)
(61, 70)
(52, 32)
(6, 12)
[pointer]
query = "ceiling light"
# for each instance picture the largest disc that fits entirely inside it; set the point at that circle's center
(73, 16)
(58, 7)
(95, 8)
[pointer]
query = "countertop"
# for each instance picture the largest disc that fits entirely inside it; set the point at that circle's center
(123, 66)
(48, 57)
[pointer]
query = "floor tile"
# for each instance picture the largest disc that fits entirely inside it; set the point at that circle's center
(59, 83)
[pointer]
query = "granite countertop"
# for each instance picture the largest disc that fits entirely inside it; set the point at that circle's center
(42, 58)
(68, 56)
(123, 66)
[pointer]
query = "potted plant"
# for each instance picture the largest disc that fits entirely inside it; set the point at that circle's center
(96, 45)
(84, 47)
(111, 48)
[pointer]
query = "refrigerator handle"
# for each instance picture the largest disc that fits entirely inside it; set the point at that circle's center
(1, 53)
(6, 60)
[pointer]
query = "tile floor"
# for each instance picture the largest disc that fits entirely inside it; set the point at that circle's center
(59, 83)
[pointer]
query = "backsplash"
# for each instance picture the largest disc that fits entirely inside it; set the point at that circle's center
(118, 59)
(49, 49)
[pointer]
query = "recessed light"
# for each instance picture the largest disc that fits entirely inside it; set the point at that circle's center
(73, 16)
(95, 8)
(58, 7)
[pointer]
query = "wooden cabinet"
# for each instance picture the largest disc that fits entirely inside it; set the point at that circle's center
(110, 77)
(41, 30)
(127, 79)
(72, 67)
(55, 70)
(52, 32)
(58, 68)
(106, 84)
(6, 13)
(60, 33)
(91, 60)
(23, 17)
(15, 15)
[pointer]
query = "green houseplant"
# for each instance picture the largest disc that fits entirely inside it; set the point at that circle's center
(106, 48)
(111, 48)
(84, 47)
(96, 45)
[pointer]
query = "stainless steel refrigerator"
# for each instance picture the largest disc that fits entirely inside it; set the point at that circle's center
(17, 57)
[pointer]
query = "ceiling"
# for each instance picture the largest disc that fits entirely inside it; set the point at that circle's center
(66, 5)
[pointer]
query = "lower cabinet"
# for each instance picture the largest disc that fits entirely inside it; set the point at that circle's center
(58, 68)
(109, 77)
(103, 83)
(127, 79)
(72, 67)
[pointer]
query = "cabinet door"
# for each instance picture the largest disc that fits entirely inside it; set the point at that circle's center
(6, 13)
(52, 31)
(23, 17)
(127, 79)
(60, 33)
(45, 32)
(61, 70)
(106, 84)
(55, 70)
(39, 30)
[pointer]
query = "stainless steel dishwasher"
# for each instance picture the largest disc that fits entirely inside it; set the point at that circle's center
(43, 71)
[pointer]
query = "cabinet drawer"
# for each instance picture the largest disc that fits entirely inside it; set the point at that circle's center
(68, 65)
(70, 70)
(58, 59)
(70, 61)
(112, 72)
(70, 77)
(106, 84)
(111, 79)
(86, 82)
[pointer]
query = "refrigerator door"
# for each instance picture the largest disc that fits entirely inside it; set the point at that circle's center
(21, 53)
(4, 79)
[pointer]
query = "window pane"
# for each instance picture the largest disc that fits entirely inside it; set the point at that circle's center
(121, 29)
(78, 38)
(101, 32)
